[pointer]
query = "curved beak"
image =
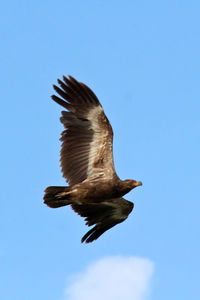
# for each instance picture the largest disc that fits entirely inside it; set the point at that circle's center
(138, 183)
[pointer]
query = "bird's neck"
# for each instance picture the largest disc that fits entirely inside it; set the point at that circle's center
(124, 187)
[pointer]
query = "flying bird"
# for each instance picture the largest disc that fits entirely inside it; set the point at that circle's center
(95, 191)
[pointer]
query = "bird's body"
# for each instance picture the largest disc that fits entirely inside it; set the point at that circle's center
(94, 190)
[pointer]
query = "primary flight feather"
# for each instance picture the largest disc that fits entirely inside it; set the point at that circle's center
(95, 191)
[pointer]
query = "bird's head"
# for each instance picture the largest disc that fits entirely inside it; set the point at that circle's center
(132, 183)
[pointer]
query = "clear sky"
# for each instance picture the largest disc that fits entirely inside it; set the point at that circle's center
(142, 59)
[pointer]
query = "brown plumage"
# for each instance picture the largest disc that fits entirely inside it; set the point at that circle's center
(95, 191)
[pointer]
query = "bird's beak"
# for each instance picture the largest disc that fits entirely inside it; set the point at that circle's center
(138, 183)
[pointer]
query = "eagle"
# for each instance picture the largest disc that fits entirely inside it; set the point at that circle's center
(95, 191)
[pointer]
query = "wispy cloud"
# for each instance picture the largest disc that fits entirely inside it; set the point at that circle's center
(113, 278)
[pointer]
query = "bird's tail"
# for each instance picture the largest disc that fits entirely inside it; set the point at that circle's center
(57, 196)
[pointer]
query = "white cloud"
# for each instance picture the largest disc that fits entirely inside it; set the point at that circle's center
(112, 278)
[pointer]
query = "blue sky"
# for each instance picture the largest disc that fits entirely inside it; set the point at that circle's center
(142, 60)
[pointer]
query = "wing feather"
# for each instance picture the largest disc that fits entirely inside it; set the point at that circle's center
(103, 215)
(87, 140)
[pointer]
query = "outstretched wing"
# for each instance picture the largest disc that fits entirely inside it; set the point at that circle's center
(103, 215)
(88, 137)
